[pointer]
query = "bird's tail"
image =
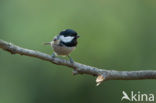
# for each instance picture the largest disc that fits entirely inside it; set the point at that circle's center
(48, 43)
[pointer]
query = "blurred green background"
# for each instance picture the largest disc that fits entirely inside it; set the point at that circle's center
(115, 34)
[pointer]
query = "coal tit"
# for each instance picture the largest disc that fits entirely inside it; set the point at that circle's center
(64, 43)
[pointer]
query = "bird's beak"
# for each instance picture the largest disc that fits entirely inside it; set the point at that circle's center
(77, 36)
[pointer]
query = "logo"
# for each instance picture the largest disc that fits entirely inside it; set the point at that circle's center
(137, 96)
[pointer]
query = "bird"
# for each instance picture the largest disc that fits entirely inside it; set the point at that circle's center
(64, 43)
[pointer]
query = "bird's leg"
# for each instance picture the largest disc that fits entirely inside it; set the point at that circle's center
(53, 55)
(70, 59)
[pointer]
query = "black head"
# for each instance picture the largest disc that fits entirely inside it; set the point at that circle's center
(69, 32)
(68, 37)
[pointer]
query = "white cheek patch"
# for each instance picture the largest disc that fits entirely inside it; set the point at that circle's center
(66, 39)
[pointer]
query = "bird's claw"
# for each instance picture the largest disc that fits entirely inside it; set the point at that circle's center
(53, 55)
(71, 60)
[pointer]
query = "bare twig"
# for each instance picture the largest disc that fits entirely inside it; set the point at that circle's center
(81, 68)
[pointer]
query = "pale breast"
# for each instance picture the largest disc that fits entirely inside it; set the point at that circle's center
(62, 50)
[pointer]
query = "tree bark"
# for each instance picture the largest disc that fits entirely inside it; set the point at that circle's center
(79, 68)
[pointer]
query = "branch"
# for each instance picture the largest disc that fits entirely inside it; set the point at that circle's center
(79, 68)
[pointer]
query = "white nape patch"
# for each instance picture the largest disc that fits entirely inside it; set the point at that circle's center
(66, 39)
